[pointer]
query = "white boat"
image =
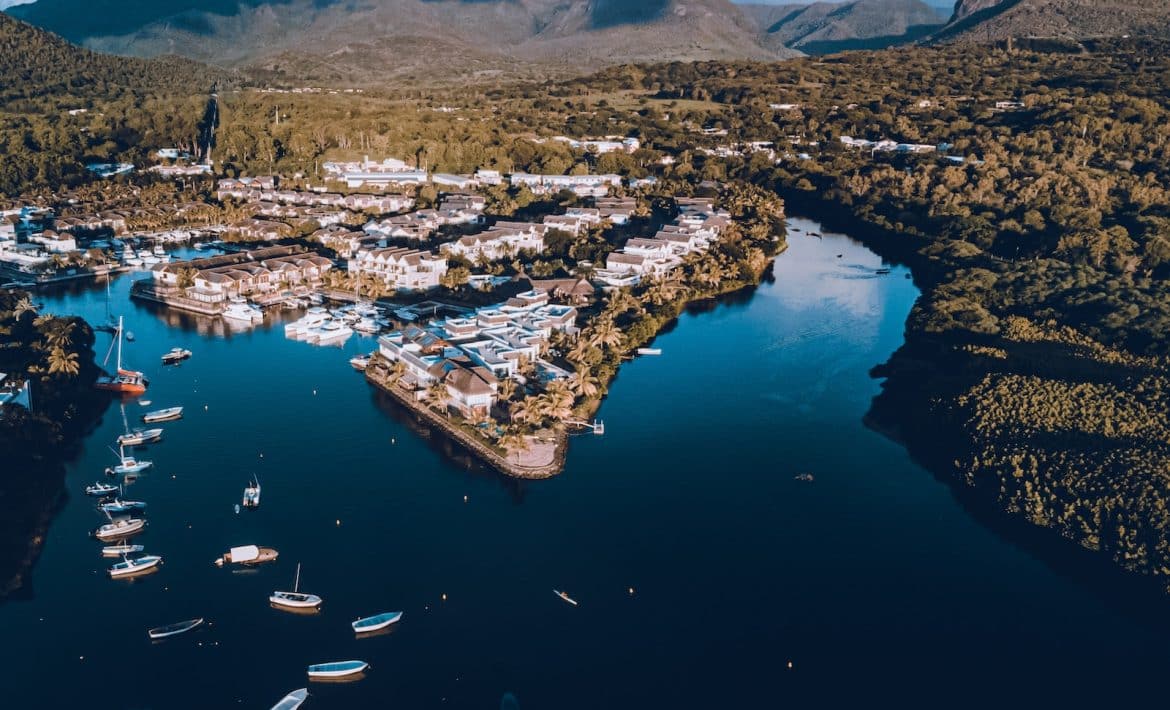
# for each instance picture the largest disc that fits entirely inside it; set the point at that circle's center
(247, 555)
(151, 260)
(295, 599)
(331, 332)
(138, 437)
(169, 630)
(313, 318)
(158, 250)
(293, 700)
(127, 567)
(252, 494)
(175, 355)
(337, 669)
(566, 597)
(130, 259)
(366, 325)
(649, 351)
(121, 550)
(241, 310)
(163, 415)
(376, 622)
(360, 362)
(120, 529)
(100, 490)
(118, 506)
(128, 464)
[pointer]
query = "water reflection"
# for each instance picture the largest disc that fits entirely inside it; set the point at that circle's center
(30, 497)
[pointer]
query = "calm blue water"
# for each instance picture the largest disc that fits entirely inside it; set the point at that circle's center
(873, 581)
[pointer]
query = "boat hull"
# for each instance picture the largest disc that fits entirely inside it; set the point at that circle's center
(326, 671)
(182, 627)
(375, 623)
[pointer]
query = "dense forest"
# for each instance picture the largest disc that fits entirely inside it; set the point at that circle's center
(1038, 229)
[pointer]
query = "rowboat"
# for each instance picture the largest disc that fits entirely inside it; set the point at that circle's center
(100, 490)
(337, 669)
(295, 599)
(138, 437)
(293, 700)
(247, 555)
(127, 568)
(376, 622)
(163, 415)
(120, 528)
(566, 597)
(175, 356)
(121, 550)
(175, 629)
(118, 506)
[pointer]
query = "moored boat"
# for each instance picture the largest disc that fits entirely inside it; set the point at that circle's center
(240, 310)
(360, 362)
(117, 506)
(127, 567)
(376, 622)
(123, 381)
(337, 669)
(175, 355)
(252, 494)
(649, 351)
(121, 550)
(100, 490)
(138, 437)
(247, 555)
(295, 599)
(120, 529)
(128, 464)
(163, 415)
(181, 627)
(566, 597)
(293, 700)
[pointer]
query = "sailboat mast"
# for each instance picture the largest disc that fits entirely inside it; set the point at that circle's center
(297, 581)
(119, 344)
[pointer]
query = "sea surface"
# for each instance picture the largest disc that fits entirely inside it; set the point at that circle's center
(707, 574)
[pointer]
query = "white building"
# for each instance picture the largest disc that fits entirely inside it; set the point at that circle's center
(400, 268)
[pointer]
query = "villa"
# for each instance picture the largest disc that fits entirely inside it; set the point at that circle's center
(400, 268)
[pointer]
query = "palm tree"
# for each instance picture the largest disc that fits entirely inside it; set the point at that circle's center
(605, 334)
(513, 442)
(579, 352)
(397, 370)
(526, 411)
(24, 305)
(62, 362)
(437, 395)
(60, 334)
(506, 389)
(186, 277)
(621, 301)
(584, 384)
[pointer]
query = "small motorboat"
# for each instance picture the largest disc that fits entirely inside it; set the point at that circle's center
(121, 550)
(566, 597)
(376, 622)
(117, 506)
(360, 362)
(337, 669)
(120, 528)
(252, 494)
(127, 567)
(295, 599)
(101, 490)
(293, 700)
(366, 325)
(128, 464)
(247, 555)
(240, 310)
(163, 415)
(175, 356)
(175, 629)
(649, 351)
(138, 437)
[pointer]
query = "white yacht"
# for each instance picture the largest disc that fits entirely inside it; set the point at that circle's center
(240, 310)
(314, 318)
(331, 332)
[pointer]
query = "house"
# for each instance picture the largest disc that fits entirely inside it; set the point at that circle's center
(575, 290)
(505, 239)
(344, 241)
(472, 390)
(489, 177)
(400, 268)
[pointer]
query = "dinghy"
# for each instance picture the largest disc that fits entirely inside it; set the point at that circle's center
(175, 356)
(566, 597)
(127, 568)
(376, 622)
(247, 555)
(295, 599)
(120, 528)
(138, 437)
(293, 700)
(337, 669)
(175, 629)
(121, 550)
(163, 415)
(101, 490)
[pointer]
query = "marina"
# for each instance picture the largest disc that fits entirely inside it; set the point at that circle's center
(387, 513)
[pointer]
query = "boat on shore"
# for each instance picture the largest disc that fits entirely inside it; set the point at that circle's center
(566, 597)
(296, 599)
(127, 567)
(247, 555)
(175, 356)
(121, 550)
(337, 669)
(181, 627)
(101, 490)
(293, 700)
(376, 622)
(139, 437)
(163, 415)
(118, 529)
(252, 494)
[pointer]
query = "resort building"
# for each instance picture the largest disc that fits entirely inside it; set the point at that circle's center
(400, 268)
(503, 240)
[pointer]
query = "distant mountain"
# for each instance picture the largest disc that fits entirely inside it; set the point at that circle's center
(377, 39)
(982, 20)
(824, 27)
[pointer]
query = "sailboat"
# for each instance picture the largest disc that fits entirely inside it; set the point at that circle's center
(109, 326)
(252, 494)
(123, 381)
(295, 599)
(137, 437)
